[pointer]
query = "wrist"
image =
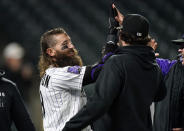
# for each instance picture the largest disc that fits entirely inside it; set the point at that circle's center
(112, 39)
(106, 56)
(113, 30)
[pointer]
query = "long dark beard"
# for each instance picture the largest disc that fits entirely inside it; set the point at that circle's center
(63, 60)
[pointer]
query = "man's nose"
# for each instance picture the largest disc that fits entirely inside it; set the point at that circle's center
(71, 45)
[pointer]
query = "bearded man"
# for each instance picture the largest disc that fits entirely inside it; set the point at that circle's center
(62, 78)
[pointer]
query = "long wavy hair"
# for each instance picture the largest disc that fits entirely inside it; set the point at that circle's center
(46, 42)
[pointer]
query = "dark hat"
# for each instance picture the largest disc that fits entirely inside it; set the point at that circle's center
(179, 41)
(136, 25)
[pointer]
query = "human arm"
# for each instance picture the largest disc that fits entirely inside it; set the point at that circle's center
(119, 16)
(20, 114)
(107, 88)
(92, 71)
(165, 64)
(152, 43)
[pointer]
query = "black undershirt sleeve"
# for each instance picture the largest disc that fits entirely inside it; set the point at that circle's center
(88, 76)
(92, 71)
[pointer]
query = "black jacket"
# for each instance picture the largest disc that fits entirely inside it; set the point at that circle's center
(169, 113)
(12, 108)
(125, 89)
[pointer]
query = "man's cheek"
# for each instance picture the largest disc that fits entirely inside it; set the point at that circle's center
(182, 60)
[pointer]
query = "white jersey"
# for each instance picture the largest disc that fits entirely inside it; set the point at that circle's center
(61, 96)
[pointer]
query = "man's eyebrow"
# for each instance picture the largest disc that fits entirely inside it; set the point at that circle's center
(64, 42)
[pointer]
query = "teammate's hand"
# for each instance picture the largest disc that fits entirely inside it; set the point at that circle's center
(113, 23)
(154, 45)
(119, 17)
(112, 37)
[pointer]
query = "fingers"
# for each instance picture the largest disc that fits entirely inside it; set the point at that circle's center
(153, 44)
(113, 6)
(119, 16)
(156, 54)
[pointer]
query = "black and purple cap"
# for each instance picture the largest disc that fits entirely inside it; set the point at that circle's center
(179, 42)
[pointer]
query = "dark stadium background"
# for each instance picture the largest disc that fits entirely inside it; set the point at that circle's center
(86, 21)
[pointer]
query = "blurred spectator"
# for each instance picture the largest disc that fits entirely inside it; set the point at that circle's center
(12, 108)
(169, 113)
(16, 69)
(21, 71)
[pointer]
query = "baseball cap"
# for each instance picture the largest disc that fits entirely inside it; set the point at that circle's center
(136, 25)
(179, 41)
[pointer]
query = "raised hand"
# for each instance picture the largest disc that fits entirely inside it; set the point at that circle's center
(119, 16)
(154, 45)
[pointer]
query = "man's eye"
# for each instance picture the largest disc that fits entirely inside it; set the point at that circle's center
(64, 47)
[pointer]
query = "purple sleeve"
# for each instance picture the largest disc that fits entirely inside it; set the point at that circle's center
(100, 65)
(165, 64)
(94, 69)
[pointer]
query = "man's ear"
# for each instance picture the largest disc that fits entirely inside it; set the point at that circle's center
(50, 51)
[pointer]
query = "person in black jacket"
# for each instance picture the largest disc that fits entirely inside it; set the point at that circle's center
(169, 113)
(12, 108)
(129, 82)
